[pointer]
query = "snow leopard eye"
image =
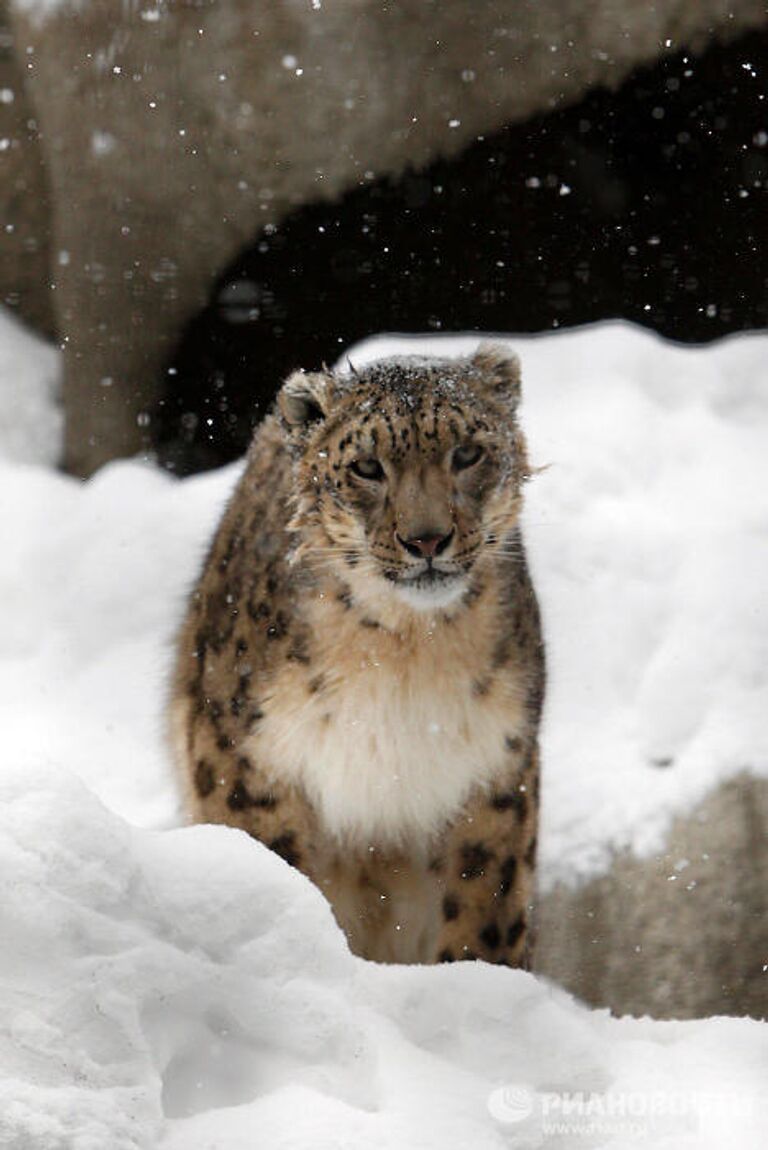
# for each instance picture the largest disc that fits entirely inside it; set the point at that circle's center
(367, 468)
(466, 456)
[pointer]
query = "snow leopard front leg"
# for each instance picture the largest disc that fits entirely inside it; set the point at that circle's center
(487, 869)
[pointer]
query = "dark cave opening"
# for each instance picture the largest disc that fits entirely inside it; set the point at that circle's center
(648, 203)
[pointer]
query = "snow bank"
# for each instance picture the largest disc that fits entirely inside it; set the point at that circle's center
(649, 548)
(30, 372)
(185, 989)
(188, 990)
(648, 542)
(92, 585)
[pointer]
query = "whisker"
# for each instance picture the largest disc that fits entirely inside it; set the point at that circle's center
(334, 551)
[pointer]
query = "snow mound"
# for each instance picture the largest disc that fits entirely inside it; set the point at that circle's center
(647, 538)
(93, 580)
(30, 374)
(648, 542)
(188, 990)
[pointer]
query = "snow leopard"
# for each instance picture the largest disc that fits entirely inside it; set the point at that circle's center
(360, 675)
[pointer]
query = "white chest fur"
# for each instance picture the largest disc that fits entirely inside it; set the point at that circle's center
(392, 744)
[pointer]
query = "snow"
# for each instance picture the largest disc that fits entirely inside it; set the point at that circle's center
(45, 9)
(31, 424)
(647, 536)
(187, 990)
(184, 988)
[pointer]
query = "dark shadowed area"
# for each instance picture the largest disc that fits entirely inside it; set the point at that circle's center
(648, 203)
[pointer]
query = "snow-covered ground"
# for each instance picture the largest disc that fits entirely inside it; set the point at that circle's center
(647, 534)
(185, 988)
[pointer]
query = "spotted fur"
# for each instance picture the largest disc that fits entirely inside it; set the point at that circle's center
(360, 675)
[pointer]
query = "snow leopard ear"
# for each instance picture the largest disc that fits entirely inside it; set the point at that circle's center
(306, 397)
(501, 368)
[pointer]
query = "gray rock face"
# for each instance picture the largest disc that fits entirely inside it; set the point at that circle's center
(25, 226)
(172, 133)
(680, 935)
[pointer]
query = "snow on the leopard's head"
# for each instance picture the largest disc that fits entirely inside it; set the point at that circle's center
(187, 989)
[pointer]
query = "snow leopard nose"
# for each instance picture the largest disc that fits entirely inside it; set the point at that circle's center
(425, 546)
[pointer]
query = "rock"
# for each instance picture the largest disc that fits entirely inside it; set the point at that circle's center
(174, 133)
(683, 934)
(25, 255)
